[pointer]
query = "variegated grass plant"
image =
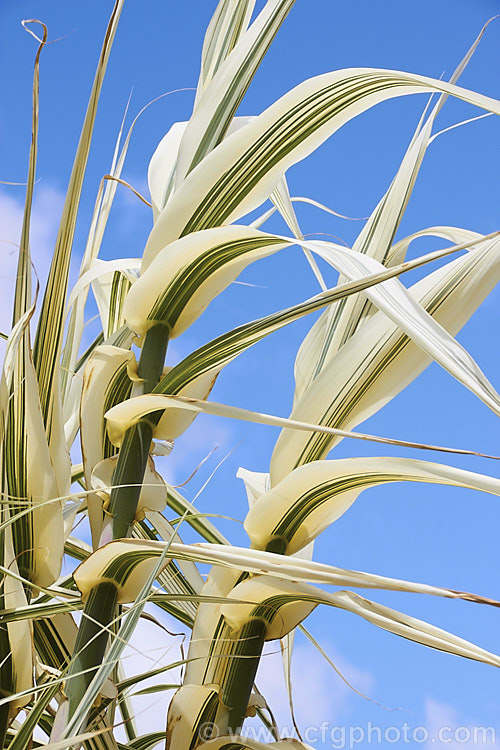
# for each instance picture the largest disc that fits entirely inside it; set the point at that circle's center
(64, 681)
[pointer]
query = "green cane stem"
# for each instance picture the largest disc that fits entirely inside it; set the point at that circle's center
(91, 641)
(100, 608)
(237, 686)
(236, 694)
(129, 473)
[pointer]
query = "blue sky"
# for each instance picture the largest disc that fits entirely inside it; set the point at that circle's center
(438, 535)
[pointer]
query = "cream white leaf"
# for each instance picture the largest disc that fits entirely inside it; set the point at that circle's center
(217, 103)
(153, 495)
(106, 381)
(191, 713)
(125, 563)
(244, 743)
(379, 360)
(161, 172)
(243, 170)
(228, 23)
(130, 412)
(184, 278)
(311, 497)
(282, 605)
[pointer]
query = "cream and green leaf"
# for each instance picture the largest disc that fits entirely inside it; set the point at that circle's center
(282, 605)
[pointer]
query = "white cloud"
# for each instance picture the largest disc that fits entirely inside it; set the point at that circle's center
(447, 729)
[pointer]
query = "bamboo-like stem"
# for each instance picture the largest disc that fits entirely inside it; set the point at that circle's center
(237, 687)
(133, 456)
(152, 358)
(100, 608)
(91, 641)
(237, 694)
(128, 476)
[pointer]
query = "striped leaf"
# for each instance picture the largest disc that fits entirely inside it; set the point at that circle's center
(191, 712)
(242, 171)
(30, 482)
(55, 639)
(189, 273)
(230, 742)
(153, 492)
(295, 568)
(126, 564)
(217, 353)
(305, 502)
(54, 635)
(205, 175)
(129, 413)
(378, 233)
(48, 341)
(16, 636)
(123, 561)
(33, 469)
(282, 606)
(218, 101)
(23, 292)
(84, 694)
(106, 382)
(177, 413)
(110, 281)
(162, 169)
(209, 649)
(228, 23)
(379, 360)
